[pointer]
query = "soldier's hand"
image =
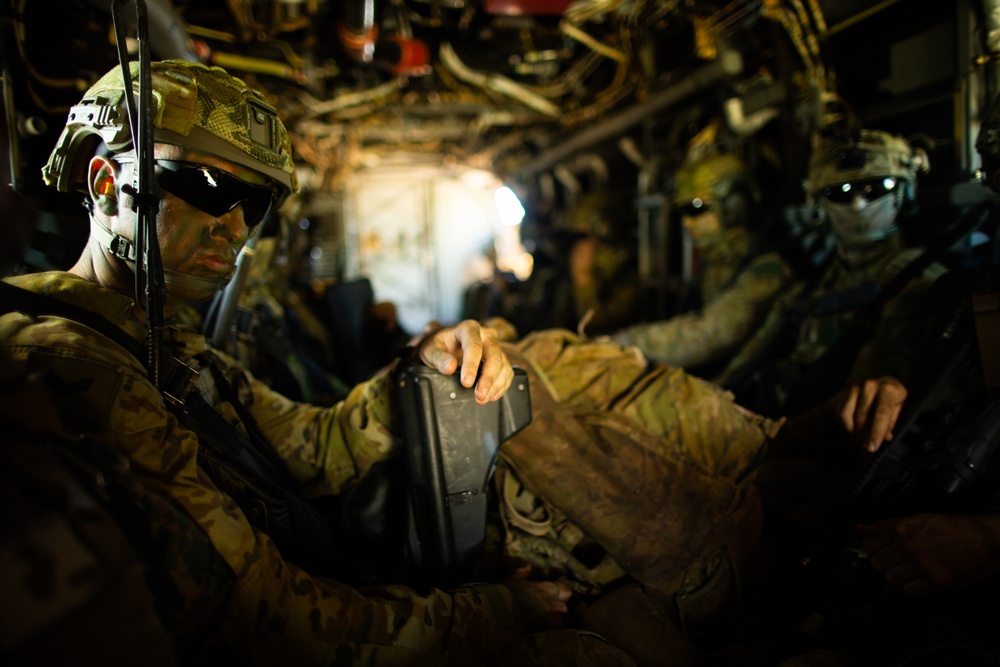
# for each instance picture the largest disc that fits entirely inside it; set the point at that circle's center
(544, 602)
(931, 553)
(470, 345)
(870, 409)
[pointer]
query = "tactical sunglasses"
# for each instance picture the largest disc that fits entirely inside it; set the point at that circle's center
(868, 189)
(214, 191)
(694, 209)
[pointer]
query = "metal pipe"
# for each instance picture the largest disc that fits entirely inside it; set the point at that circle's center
(729, 63)
(857, 18)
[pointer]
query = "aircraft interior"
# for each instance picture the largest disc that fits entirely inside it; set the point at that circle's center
(460, 160)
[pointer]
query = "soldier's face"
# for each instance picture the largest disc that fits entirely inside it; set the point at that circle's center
(703, 226)
(193, 241)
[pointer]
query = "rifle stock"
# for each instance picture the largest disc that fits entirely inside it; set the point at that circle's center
(451, 445)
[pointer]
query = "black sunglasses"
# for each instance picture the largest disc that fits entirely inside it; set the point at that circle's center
(214, 191)
(869, 189)
(693, 210)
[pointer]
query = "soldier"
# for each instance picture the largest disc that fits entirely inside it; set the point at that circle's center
(905, 569)
(821, 335)
(601, 264)
(617, 449)
(94, 564)
(222, 160)
(584, 276)
(937, 552)
(735, 282)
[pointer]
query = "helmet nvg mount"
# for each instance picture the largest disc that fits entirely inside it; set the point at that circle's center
(871, 154)
(197, 107)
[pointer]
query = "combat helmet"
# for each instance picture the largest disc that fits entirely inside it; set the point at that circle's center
(862, 180)
(866, 155)
(714, 181)
(197, 107)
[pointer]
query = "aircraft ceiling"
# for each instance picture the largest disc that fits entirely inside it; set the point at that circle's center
(515, 86)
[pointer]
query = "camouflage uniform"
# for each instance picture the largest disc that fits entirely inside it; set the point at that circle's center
(649, 472)
(94, 564)
(734, 306)
(902, 322)
(281, 613)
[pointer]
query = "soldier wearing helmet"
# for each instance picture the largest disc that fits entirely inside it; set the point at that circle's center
(836, 356)
(222, 160)
(862, 184)
(861, 180)
(735, 280)
(910, 332)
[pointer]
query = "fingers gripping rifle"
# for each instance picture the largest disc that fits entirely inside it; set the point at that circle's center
(149, 270)
(942, 459)
(945, 441)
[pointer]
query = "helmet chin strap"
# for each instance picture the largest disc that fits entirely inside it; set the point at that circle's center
(124, 249)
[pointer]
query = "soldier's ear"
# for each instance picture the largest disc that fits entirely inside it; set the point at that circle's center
(102, 183)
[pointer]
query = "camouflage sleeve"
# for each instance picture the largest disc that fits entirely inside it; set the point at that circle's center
(281, 613)
(326, 448)
(709, 335)
(772, 325)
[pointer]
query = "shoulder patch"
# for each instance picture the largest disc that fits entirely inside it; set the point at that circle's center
(83, 391)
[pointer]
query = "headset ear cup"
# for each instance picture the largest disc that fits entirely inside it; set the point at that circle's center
(736, 210)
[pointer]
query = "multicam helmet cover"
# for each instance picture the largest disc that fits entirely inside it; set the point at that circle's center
(197, 107)
(710, 179)
(869, 154)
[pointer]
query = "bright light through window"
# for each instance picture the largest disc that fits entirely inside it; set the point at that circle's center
(511, 211)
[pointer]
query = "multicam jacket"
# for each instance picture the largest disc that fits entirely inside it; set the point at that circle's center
(823, 312)
(733, 307)
(282, 613)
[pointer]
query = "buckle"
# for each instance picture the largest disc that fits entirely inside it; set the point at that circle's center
(122, 248)
(180, 383)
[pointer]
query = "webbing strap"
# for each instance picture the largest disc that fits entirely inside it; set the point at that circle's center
(18, 299)
(248, 455)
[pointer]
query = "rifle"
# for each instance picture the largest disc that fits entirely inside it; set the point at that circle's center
(943, 459)
(944, 449)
